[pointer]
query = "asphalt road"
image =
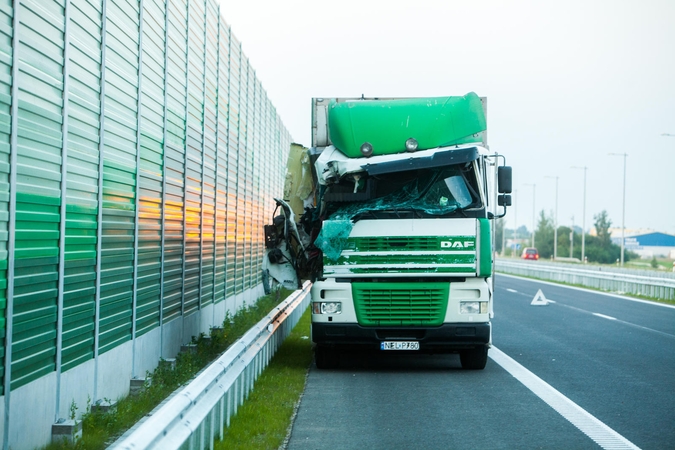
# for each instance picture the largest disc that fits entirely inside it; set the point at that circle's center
(613, 357)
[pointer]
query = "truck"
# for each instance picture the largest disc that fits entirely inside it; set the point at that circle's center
(390, 214)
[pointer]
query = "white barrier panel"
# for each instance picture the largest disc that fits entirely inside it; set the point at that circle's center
(199, 413)
(607, 280)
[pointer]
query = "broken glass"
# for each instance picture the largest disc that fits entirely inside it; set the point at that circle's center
(427, 193)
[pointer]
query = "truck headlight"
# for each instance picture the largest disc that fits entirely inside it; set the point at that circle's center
(473, 307)
(327, 307)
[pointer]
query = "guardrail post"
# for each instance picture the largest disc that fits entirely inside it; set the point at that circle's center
(222, 407)
(228, 408)
(236, 396)
(257, 366)
(201, 434)
(249, 377)
(212, 426)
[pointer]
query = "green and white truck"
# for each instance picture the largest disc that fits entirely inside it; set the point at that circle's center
(396, 235)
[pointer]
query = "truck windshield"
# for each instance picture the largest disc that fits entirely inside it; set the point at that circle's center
(418, 193)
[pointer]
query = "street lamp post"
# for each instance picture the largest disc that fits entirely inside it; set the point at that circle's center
(534, 187)
(555, 219)
(583, 220)
(572, 239)
(623, 213)
(515, 220)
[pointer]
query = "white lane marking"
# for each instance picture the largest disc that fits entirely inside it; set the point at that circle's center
(588, 424)
(630, 324)
(604, 316)
(665, 305)
(512, 290)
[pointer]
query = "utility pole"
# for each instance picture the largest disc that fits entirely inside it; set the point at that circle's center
(555, 219)
(515, 219)
(534, 187)
(623, 213)
(503, 238)
(572, 239)
(583, 220)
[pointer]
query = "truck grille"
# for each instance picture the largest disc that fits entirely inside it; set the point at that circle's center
(400, 304)
(384, 243)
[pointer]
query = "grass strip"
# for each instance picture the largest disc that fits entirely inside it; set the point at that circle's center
(263, 421)
(101, 429)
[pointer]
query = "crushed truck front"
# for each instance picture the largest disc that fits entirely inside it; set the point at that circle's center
(407, 260)
(399, 227)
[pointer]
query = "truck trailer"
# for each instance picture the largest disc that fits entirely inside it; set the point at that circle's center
(389, 214)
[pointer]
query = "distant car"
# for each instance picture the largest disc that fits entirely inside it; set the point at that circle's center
(530, 253)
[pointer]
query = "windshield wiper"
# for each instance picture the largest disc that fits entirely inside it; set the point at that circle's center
(361, 214)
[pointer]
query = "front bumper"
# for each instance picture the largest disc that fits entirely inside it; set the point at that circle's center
(448, 338)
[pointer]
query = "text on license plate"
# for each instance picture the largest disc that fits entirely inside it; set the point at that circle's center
(399, 345)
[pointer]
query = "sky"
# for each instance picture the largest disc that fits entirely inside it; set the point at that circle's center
(567, 83)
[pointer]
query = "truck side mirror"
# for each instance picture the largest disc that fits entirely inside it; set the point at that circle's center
(504, 180)
(504, 200)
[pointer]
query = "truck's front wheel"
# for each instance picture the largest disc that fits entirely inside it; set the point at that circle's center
(326, 358)
(474, 359)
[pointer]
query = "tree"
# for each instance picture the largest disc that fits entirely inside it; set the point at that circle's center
(564, 242)
(543, 236)
(597, 251)
(602, 225)
(600, 248)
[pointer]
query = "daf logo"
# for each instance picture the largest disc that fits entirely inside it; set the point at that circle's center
(457, 244)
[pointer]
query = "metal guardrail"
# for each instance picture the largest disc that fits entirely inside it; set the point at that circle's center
(613, 269)
(607, 280)
(199, 413)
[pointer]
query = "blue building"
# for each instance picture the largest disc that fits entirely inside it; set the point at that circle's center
(648, 245)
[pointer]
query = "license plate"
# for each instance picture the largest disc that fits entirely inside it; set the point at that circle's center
(399, 345)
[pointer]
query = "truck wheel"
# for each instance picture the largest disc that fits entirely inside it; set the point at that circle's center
(326, 358)
(474, 359)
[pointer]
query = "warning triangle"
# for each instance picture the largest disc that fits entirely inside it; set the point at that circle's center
(539, 299)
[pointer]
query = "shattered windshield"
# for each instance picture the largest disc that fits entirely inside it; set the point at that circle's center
(423, 193)
(437, 192)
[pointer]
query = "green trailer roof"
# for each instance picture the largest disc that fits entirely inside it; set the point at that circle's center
(387, 124)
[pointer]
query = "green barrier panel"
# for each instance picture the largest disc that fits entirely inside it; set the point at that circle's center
(151, 168)
(145, 158)
(5, 131)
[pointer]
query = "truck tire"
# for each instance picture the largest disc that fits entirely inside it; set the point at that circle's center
(474, 359)
(326, 358)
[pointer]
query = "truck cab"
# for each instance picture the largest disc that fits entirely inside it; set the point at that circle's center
(398, 227)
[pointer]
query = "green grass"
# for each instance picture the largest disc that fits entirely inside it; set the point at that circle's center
(101, 429)
(655, 264)
(264, 419)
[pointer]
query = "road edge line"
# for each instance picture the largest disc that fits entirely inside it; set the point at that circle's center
(588, 424)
